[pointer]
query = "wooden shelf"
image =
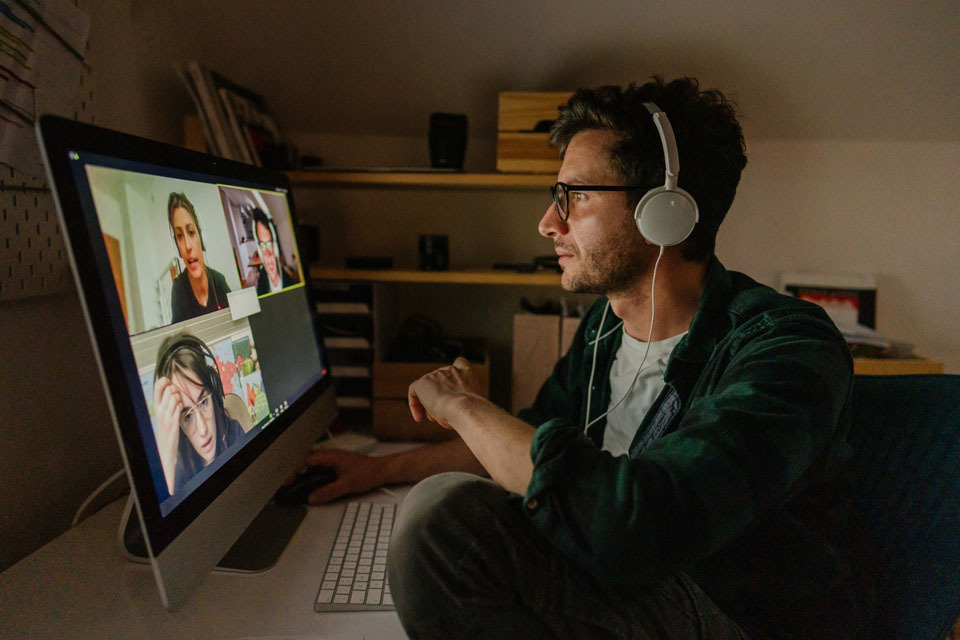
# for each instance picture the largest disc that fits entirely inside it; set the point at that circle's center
(464, 276)
(425, 179)
(895, 366)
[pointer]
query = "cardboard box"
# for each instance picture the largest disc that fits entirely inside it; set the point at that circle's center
(391, 414)
(523, 119)
(538, 342)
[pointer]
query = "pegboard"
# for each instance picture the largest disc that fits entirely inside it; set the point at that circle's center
(33, 257)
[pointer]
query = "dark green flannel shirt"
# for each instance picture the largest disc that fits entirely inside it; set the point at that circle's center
(733, 475)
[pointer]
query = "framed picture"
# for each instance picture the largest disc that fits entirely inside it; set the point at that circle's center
(849, 299)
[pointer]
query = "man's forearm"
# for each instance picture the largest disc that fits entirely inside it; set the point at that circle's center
(415, 465)
(499, 441)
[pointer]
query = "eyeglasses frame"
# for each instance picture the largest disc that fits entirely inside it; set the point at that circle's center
(563, 215)
(190, 414)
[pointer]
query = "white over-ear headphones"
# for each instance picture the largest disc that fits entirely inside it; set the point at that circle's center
(666, 215)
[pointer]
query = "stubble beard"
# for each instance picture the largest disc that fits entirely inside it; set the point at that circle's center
(609, 268)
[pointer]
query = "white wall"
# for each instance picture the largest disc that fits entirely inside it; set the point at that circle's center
(880, 207)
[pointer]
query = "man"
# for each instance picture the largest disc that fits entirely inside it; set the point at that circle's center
(692, 494)
(273, 277)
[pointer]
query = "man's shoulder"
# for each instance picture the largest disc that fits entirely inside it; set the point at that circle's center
(750, 299)
(738, 308)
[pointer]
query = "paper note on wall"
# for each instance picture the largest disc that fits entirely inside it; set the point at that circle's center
(42, 44)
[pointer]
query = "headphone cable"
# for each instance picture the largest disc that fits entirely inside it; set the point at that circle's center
(636, 376)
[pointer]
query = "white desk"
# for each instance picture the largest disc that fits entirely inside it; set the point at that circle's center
(80, 586)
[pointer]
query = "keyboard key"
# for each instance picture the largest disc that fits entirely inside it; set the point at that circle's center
(355, 575)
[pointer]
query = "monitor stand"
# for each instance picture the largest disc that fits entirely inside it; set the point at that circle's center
(257, 549)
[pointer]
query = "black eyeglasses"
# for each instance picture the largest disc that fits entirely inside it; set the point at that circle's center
(561, 194)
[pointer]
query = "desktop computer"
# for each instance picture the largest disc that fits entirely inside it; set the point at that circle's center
(196, 297)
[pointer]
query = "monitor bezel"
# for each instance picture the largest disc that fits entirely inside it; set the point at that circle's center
(100, 301)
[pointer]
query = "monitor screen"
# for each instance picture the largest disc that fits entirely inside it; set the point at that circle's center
(197, 301)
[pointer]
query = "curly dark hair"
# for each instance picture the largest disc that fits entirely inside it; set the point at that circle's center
(710, 144)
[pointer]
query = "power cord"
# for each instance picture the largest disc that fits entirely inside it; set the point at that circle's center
(93, 496)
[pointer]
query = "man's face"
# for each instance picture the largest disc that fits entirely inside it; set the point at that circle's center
(268, 252)
(187, 235)
(599, 246)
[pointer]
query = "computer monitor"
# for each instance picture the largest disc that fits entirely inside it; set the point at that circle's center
(199, 310)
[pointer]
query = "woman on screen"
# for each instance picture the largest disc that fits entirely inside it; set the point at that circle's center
(198, 289)
(192, 426)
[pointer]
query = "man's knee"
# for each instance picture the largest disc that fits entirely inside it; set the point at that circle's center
(431, 534)
(433, 508)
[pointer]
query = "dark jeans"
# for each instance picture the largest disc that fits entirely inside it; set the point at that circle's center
(465, 562)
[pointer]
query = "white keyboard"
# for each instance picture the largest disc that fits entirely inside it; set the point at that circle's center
(355, 576)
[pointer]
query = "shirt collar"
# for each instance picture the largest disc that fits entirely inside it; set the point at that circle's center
(710, 322)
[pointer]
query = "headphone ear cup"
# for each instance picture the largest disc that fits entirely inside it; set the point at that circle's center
(666, 218)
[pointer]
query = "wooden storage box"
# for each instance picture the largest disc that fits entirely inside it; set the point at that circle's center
(538, 342)
(523, 120)
(391, 414)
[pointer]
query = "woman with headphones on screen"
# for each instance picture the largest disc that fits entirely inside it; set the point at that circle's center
(198, 289)
(192, 426)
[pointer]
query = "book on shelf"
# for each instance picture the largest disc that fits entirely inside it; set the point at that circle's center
(236, 122)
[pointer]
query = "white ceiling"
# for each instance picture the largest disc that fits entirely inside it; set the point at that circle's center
(887, 69)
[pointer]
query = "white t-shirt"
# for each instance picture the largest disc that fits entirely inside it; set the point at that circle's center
(624, 420)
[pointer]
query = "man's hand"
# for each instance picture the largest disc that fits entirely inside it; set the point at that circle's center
(435, 395)
(355, 474)
(501, 443)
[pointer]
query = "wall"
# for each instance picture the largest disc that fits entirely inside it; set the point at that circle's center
(879, 207)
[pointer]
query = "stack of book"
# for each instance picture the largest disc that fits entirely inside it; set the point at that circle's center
(235, 120)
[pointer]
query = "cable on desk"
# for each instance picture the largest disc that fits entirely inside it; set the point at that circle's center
(96, 492)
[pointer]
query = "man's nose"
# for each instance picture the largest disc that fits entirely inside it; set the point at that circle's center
(551, 225)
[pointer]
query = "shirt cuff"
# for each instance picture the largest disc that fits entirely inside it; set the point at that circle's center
(551, 442)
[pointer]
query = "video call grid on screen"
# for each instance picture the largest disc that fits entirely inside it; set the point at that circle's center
(162, 229)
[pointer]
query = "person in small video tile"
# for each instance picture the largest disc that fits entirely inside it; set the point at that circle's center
(198, 289)
(273, 276)
(193, 427)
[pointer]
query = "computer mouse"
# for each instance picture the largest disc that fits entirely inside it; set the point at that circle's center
(308, 480)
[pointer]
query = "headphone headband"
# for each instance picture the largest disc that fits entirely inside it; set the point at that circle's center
(210, 376)
(671, 161)
(666, 215)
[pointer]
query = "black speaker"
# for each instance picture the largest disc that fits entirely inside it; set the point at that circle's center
(448, 140)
